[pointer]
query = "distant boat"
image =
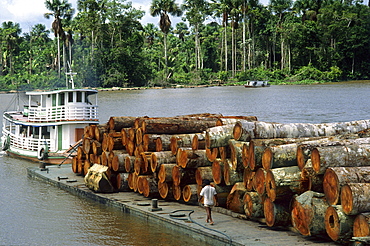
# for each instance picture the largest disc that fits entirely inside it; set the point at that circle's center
(49, 125)
(257, 83)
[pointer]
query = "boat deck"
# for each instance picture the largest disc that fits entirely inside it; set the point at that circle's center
(229, 228)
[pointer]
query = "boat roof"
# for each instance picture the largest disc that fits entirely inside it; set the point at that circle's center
(89, 91)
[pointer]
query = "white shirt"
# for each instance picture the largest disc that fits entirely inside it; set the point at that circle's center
(208, 192)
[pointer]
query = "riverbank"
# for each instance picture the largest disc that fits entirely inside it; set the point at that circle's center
(229, 229)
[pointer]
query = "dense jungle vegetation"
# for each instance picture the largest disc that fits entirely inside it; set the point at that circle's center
(217, 41)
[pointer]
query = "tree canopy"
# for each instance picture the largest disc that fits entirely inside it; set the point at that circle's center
(217, 41)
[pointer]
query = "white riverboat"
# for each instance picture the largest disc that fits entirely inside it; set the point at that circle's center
(50, 126)
(256, 83)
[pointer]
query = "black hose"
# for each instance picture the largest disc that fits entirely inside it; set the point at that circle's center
(189, 216)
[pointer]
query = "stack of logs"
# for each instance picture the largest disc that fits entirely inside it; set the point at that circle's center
(314, 177)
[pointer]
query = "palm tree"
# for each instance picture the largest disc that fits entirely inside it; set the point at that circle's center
(10, 33)
(196, 11)
(60, 9)
(162, 8)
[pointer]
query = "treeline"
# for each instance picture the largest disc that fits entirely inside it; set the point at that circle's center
(217, 41)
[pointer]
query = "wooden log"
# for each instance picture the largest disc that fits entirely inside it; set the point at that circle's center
(183, 176)
(104, 158)
(165, 190)
(218, 136)
(86, 132)
(80, 153)
(259, 181)
(130, 147)
(217, 171)
(361, 225)
(99, 132)
(104, 142)
(255, 155)
(75, 164)
(284, 155)
(117, 123)
(340, 156)
(122, 182)
(283, 183)
(248, 177)
(158, 158)
(338, 225)
(176, 192)
(203, 173)
(236, 154)
(308, 213)
(189, 194)
(231, 176)
(224, 153)
(130, 163)
(150, 186)
(228, 120)
(176, 126)
(211, 154)
(165, 172)
(245, 131)
(97, 179)
(150, 142)
(235, 200)
(355, 197)
(96, 147)
(198, 141)
(115, 143)
(188, 158)
(245, 154)
(86, 167)
(276, 213)
(86, 145)
(163, 143)
(119, 162)
(335, 177)
(181, 141)
(253, 205)
(310, 180)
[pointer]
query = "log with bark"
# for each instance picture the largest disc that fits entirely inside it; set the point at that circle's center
(248, 177)
(177, 126)
(203, 173)
(255, 153)
(283, 183)
(163, 143)
(119, 162)
(276, 213)
(236, 158)
(150, 186)
(355, 198)
(165, 190)
(218, 136)
(158, 158)
(130, 163)
(340, 156)
(253, 205)
(259, 181)
(97, 179)
(86, 145)
(211, 154)
(96, 147)
(117, 123)
(336, 177)
(122, 182)
(99, 132)
(311, 180)
(182, 141)
(338, 225)
(183, 176)
(165, 172)
(361, 225)
(308, 213)
(235, 200)
(150, 142)
(231, 176)
(188, 158)
(245, 131)
(176, 192)
(284, 155)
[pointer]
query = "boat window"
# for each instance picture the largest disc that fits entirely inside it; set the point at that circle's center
(70, 96)
(61, 99)
(79, 96)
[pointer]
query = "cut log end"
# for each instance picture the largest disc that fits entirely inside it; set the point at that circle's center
(300, 158)
(361, 226)
(267, 158)
(331, 187)
(237, 131)
(259, 181)
(216, 172)
(301, 218)
(315, 160)
(269, 212)
(346, 198)
(332, 223)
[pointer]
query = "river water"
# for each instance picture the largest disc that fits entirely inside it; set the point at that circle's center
(35, 213)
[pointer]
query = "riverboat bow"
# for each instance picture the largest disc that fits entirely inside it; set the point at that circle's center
(49, 125)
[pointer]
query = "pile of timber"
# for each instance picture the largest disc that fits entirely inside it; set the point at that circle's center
(313, 177)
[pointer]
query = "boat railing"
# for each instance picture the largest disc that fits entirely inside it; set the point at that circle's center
(62, 113)
(28, 143)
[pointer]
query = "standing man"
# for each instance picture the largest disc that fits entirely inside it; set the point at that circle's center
(208, 192)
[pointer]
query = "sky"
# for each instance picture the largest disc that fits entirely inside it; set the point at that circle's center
(30, 12)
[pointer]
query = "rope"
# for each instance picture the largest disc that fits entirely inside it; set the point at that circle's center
(189, 216)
